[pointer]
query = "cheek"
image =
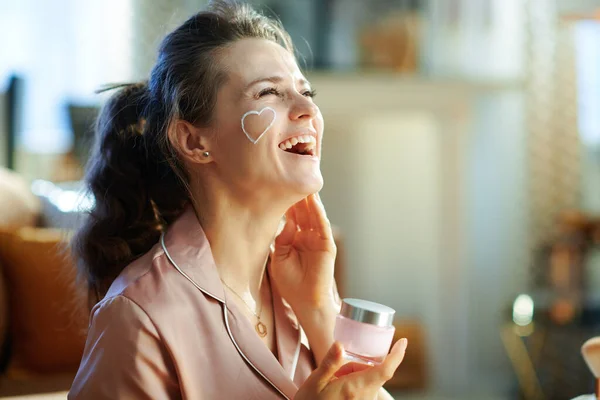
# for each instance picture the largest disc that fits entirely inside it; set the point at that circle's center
(256, 123)
(319, 123)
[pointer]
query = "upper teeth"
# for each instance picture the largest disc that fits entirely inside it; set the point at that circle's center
(288, 144)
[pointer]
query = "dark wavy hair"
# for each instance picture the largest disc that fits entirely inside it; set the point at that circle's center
(134, 174)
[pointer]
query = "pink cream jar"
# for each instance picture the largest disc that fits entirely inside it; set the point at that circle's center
(365, 330)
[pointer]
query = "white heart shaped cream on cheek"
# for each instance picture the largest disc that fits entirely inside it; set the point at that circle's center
(256, 123)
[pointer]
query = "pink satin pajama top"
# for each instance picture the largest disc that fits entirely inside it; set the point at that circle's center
(166, 331)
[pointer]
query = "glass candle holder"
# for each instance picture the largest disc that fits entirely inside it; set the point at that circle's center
(365, 330)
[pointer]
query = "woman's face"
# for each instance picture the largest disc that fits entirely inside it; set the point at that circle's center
(267, 128)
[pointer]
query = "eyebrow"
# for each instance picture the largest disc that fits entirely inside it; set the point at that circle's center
(274, 79)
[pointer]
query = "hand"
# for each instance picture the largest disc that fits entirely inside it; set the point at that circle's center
(333, 380)
(303, 259)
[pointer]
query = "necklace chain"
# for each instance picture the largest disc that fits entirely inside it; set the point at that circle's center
(260, 328)
(244, 301)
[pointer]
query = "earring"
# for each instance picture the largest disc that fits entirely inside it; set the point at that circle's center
(206, 154)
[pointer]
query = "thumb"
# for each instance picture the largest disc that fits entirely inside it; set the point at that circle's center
(334, 359)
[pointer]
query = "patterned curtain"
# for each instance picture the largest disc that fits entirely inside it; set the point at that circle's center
(553, 138)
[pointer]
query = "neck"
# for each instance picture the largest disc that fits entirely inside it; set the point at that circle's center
(240, 237)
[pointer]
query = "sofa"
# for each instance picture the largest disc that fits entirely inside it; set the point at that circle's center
(43, 315)
(42, 325)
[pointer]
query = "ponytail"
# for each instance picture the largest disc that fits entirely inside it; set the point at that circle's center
(122, 174)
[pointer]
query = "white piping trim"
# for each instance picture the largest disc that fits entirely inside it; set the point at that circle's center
(162, 243)
(296, 354)
(244, 356)
(164, 247)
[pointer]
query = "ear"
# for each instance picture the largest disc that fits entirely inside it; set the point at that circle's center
(191, 142)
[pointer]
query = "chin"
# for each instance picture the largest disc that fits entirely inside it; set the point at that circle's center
(308, 186)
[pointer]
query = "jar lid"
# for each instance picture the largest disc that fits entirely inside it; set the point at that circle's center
(367, 312)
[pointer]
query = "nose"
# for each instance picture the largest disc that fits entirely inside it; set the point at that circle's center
(303, 108)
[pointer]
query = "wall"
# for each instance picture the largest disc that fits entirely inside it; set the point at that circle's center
(497, 226)
(427, 186)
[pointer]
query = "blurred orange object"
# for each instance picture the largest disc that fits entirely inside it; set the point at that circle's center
(48, 329)
(392, 43)
(412, 373)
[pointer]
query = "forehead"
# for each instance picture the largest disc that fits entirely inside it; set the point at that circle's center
(248, 59)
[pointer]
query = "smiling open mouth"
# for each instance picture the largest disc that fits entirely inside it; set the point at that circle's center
(305, 145)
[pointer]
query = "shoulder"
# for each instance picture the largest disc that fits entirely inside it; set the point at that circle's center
(136, 272)
(118, 325)
(153, 287)
(145, 281)
(124, 347)
(121, 313)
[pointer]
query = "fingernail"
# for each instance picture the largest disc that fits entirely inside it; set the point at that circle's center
(404, 342)
(339, 349)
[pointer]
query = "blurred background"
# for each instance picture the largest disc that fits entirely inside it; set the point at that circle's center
(461, 161)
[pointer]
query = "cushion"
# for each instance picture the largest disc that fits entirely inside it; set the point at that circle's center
(48, 318)
(18, 205)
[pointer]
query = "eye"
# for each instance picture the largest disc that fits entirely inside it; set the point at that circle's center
(309, 93)
(269, 91)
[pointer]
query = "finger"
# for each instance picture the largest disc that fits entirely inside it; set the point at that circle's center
(302, 214)
(314, 211)
(291, 214)
(287, 234)
(319, 220)
(332, 362)
(351, 368)
(383, 372)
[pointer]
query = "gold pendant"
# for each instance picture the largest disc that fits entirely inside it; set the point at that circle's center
(261, 329)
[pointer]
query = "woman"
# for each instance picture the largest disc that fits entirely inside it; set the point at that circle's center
(192, 173)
